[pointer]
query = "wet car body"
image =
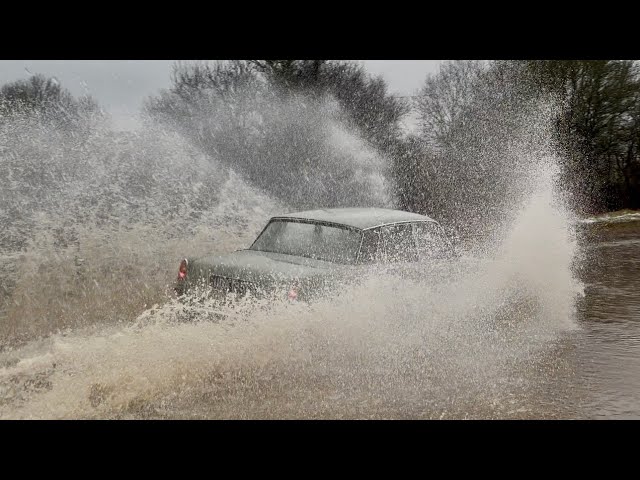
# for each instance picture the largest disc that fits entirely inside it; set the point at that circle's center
(305, 255)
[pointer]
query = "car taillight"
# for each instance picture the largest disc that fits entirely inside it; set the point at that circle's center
(182, 272)
(293, 293)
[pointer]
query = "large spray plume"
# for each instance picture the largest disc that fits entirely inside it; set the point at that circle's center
(95, 244)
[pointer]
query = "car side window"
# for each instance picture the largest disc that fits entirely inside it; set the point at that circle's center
(399, 243)
(372, 250)
(431, 241)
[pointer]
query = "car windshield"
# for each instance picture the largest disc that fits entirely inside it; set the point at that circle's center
(312, 240)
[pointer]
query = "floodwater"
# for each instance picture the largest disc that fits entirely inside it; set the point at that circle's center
(473, 346)
(606, 377)
(538, 318)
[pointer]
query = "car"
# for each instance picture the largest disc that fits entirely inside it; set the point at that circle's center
(304, 255)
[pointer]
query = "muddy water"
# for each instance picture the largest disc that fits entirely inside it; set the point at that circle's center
(607, 348)
(591, 371)
(594, 372)
(492, 343)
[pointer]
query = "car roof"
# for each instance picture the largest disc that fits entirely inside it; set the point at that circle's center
(361, 218)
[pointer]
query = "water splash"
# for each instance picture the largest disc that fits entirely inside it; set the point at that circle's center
(468, 340)
(464, 342)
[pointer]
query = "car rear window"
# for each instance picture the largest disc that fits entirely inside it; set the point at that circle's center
(312, 240)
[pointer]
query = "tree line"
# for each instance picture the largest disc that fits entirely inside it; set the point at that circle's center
(326, 133)
(596, 125)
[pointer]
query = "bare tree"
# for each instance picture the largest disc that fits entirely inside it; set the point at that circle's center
(44, 98)
(445, 96)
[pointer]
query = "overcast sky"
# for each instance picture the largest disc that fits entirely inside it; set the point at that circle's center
(121, 85)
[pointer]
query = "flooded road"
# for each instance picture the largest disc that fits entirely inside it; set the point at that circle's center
(588, 372)
(607, 348)
(457, 351)
(593, 372)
